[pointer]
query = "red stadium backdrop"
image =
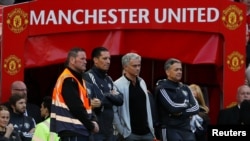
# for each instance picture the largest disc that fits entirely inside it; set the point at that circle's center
(208, 34)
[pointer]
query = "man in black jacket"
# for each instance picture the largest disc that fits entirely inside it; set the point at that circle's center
(22, 124)
(231, 115)
(175, 104)
(108, 96)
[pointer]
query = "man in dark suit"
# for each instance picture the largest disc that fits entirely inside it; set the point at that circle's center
(245, 112)
(231, 115)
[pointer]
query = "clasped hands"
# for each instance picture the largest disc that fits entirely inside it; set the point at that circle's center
(95, 103)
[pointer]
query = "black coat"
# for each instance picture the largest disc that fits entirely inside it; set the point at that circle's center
(104, 84)
(244, 115)
(229, 116)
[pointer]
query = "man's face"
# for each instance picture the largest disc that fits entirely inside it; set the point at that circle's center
(19, 88)
(243, 93)
(133, 68)
(79, 62)
(43, 110)
(174, 73)
(20, 106)
(103, 61)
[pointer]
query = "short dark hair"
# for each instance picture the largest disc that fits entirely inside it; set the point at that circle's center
(96, 52)
(14, 98)
(170, 62)
(73, 53)
(47, 101)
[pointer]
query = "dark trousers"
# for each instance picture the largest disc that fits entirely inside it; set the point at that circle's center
(173, 134)
(134, 137)
(102, 137)
(75, 138)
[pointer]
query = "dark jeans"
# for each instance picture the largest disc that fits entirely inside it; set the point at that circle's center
(134, 137)
(75, 138)
(172, 134)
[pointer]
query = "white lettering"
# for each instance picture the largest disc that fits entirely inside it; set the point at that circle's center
(123, 13)
(175, 15)
(124, 16)
(216, 132)
(184, 15)
(210, 12)
(113, 17)
(36, 20)
(132, 16)
(88, 16)
(51, 18)
(62, 16)
(201, 15)
(157, 14)
(74, 16)
(143, 16)
(102, 16)
(191, 12)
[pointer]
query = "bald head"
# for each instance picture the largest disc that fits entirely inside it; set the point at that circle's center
(19, 87)
(243, 93)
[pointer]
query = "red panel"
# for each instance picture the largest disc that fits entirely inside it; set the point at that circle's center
(46, 50)
(37, 33)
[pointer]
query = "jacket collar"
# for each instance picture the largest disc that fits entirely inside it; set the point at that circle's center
(100, 73)
(76, 74)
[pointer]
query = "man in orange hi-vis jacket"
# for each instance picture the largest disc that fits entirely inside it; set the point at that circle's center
(71, 113)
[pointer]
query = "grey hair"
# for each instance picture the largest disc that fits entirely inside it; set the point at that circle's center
(129, 56)
(170, 62)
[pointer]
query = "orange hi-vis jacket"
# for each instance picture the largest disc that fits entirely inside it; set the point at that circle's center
(61, 118)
